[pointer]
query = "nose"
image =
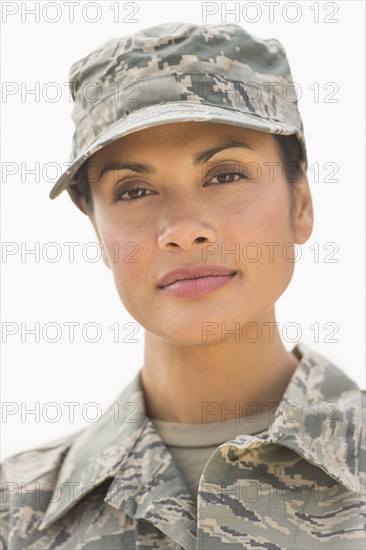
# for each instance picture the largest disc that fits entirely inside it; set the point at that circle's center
(186, 227)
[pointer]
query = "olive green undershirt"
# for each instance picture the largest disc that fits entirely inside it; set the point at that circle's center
(191, 445)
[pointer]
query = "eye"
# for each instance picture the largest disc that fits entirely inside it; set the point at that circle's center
(225, 174)
(130, 192)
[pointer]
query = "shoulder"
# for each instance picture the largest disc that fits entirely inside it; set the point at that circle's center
(362, 444)
(18, 472)
(363, 392)
(31, 464)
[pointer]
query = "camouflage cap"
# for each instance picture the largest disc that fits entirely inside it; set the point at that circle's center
(178, 72)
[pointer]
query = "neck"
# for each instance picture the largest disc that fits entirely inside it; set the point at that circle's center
(217, 381)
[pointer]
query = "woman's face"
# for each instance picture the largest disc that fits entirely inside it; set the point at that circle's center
(203, 193)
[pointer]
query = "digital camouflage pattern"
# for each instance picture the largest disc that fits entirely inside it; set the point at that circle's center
(114, 485)
(175, 72)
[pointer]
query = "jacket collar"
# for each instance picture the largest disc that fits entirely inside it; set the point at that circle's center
(125, 447)
(319, 417)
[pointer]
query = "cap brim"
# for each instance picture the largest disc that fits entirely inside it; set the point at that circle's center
(165, 113)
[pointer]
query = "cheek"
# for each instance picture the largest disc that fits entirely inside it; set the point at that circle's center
(128, 254)
(266, 239)
(266, 217)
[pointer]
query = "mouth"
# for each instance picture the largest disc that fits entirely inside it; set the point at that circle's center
(191, 287)
(192, 273)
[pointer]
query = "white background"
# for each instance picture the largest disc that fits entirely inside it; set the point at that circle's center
(83, 291)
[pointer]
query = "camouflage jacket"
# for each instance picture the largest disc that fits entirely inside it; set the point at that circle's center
(114, 485)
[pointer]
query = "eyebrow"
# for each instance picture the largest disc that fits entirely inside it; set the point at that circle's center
(198, 158)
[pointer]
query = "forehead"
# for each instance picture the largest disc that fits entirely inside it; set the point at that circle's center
(181, 138)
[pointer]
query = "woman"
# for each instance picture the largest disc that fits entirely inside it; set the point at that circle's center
(190, 162)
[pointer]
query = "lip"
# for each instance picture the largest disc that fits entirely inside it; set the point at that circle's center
(195, 280)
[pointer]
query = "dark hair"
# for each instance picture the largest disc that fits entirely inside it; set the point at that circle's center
(291, 154)
(289, 148)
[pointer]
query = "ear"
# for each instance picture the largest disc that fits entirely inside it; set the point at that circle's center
(303, 216)
(104, 255)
